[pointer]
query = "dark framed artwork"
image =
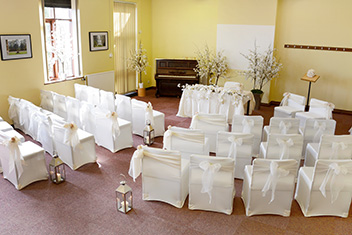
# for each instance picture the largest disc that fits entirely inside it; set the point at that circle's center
(15, 46)
(98, 41)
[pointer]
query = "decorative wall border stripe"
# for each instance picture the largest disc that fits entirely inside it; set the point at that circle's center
(324, 48)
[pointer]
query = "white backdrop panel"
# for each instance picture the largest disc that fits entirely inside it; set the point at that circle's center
(236, 39)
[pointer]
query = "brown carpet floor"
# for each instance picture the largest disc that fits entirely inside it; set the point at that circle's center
(85, 204)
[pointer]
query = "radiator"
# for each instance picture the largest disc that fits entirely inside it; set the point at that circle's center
(104, 81)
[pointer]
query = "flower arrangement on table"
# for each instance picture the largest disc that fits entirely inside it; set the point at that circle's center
(138, 61)
(211, 65)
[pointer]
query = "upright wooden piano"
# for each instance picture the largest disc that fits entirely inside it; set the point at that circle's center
(171, 72)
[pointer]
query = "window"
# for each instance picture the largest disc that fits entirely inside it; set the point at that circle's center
(61, 40)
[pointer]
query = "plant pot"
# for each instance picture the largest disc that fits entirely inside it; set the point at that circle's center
(258, 95)
(141, 92)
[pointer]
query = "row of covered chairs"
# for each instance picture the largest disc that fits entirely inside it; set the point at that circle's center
(75, 146)
(268, 185)
(109, 131)
(135, 111)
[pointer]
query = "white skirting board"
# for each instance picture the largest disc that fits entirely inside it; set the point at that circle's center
(104, 81)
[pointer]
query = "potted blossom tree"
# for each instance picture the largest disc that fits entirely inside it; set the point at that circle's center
(138, 62)
(262, 68)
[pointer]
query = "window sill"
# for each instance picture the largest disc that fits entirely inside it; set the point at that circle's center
(66, 80)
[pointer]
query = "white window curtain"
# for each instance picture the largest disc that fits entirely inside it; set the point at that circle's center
(125, 42)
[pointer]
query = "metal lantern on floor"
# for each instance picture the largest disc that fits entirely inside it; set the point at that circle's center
(124, 198)
(148, 134)
(57, 170)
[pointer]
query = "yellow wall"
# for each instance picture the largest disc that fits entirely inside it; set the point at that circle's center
(315, 22)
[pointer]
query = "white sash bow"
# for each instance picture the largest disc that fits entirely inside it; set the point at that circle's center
(209, 173)
(276, 173)
(247, 125)
(15, 158)
(320, 128)
(192, 137)
(211, 120)
(71, 136)
(284, 101)
(233, 148)
(335, 174)
(285, 127)
(284, 147)
(149, 114)
(336, 146)
(115, 124)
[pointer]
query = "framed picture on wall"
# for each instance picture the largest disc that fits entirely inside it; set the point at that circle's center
(98, 41)
(15, 46)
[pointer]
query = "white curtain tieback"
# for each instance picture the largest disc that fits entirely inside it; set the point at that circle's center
(334, 174)
(275, 174)
(209, 173)
(284, 147)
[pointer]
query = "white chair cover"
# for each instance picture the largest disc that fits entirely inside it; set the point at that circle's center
(282, 146)
(325, 189)
(26, 112)
(290, 105)
(235, 86)
(282, 126)
(318, 109)
(47, 100)
(332, 147)
(5, 126)
(211, 184)
(237, 146)
(93, 95)
(268, 186)
(107, 100)
(210, 124)
(60, 105)
(74, 146)
(81, 92)
(249, 124)
(186, 141)
(73, 107)
(164, 175)
(44, 134)
(112, 132)
(87, 117)
(314, 129)
(14, 106)
(140, 112)
(123, 107)
(22, 163)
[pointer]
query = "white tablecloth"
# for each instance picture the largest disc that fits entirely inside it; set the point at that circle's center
(211, 99)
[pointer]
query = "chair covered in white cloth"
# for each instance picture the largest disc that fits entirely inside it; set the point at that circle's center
(5, 126)
(60, 105)
(325, 189)
(186, 141)
(332, 147)
(268, 186)
(81, 92)
(141, 112)
(123, 107)
(318, 109)
(9, 134)
(236, 86)
(211, 183)
(112, 132)
(282, 126)
(164, 175)
(282, 146)
(210, 124)
(107, 100)
(73, 107)
(93, 95)
(87, 117)
(45, 133)
(250, 125)
(237, 146)
(22, 163)
(314, 129)
(14, 111)
(27, 118)
(290, 105)
(47, 100)
(74, 146)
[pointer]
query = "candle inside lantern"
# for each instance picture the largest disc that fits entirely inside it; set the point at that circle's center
(58, 177)
(123, 206)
